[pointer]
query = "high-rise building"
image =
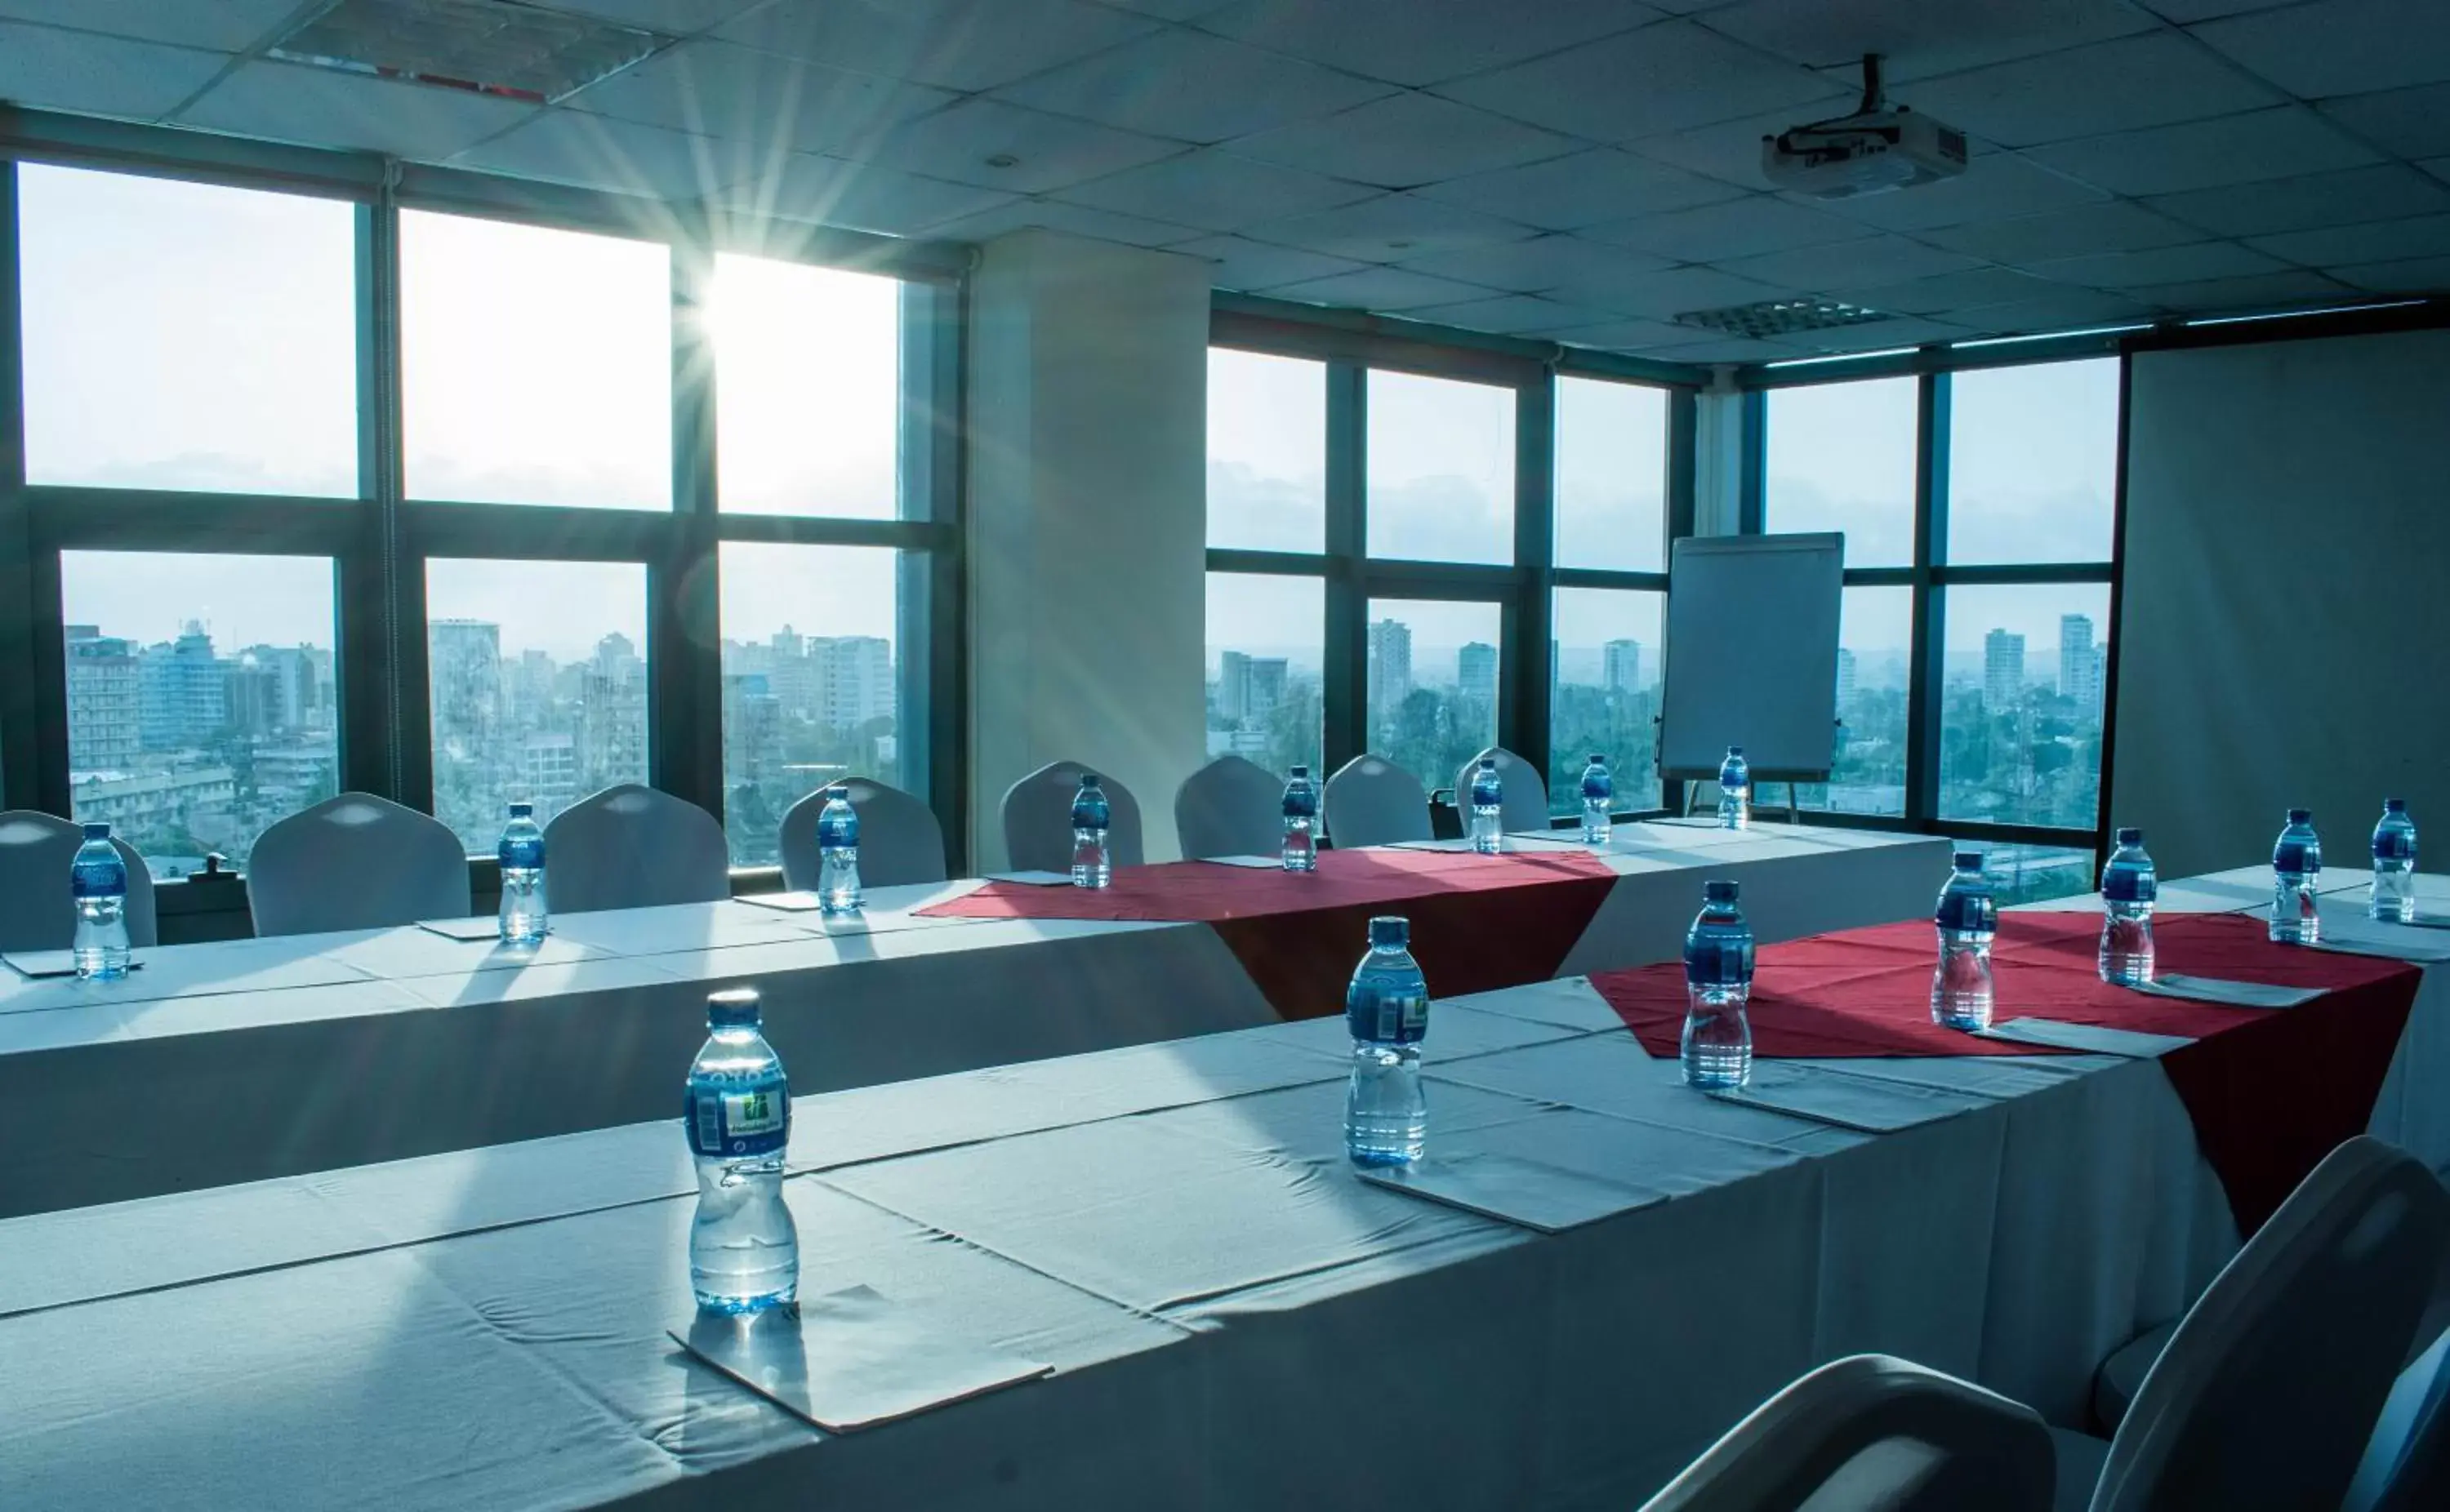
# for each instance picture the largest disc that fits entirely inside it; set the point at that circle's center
(2079, 662)
(181, 697)
(610, 719)
(752, 730)
(1621, 670)
(1391, 666)
(1476, 672)
(1233, 679)
(853, 679)
(1249, 687)
(549, 772)
(2003, 669)
(103, 722)
(1845, 677)
(463, 667)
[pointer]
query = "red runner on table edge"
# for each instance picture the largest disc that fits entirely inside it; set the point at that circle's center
(2271, 1091)
(1479, 923)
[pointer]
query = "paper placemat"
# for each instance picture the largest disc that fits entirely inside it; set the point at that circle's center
(2097, 1039)
(2389, 941)
(1031, 879)
(470, 930)
(1527, 1194)
(1249, 862)
(1860, 1103)
(2235, 994)
(851, 1359)
(38, 965)
(801, 903)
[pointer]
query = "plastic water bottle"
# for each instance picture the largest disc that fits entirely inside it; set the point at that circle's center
(521, 853)
(2296, 866)
(2393, 853)
(743, 1247)
(1093, 863)
(1718, 1044)
(1968, 917)
(1599, 802)
(1488, 809)
(2128, 887)
(1386, 1116)
(1735, 792)
(1300, 850)
(98, 882)
(838, 854)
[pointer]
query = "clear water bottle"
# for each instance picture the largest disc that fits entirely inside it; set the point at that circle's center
(1093, 861)
(98, 882)
(2296, 867)
(2393, 853)
(838, 854)
(1599, 801)
(1968, 918)
(1735, 792)
(1488, 809)
(743, 1247)
(521, 853)
(1718, 1044)
(1386, 1116)
(1300, 850)
(2128, 887)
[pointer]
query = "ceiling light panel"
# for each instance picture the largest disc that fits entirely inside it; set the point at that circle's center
(487, 46)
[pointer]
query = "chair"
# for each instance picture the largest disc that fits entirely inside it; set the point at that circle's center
(2270, 1387)
(2407, 1463)
(1873, 1432)
(1230, 807)
(355, 862)
(1371, 801)
(633, 847)
(898, 839)
(1037, 819)
(36, 912)
(1526, 801)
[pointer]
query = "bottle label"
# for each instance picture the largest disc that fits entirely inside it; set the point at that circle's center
(2120, 885)
(753, 1122)
(2296, 856)
(1719, 964)
(1966, 911)
(523, 853)
(2394, 845)
(1399, 1019)
(98, 882)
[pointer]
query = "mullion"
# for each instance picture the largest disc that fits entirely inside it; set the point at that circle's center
(20, 716)
(1927, 662)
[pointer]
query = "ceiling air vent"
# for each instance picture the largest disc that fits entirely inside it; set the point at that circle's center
(1781, 317)
(488, 47)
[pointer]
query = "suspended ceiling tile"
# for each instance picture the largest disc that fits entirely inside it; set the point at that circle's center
(1216, 191)
(1875, 335)
(2112, 226)
(2438, 167)
(1380, 288)
(1994, 186)
(2204, 154)
(833, 191)
(2422, 236)
(1420, 42)
(970, 143)
(2187, 12)
(73, 71)
(1171, 10)
(566, 147)
(2165, 264)
(1921, 37)
(1632, 336)
(2070, 310)
(761, 100)
(2413, 276)
(2124, 86)
(1586, 188)
(228, 26)
(1543, 263)
(673, 18)
(1405, 140)
(2339, 47)
(1194, 86)
(2413, 122)
(1075, 220)
(1745, 227)
(1242, 263)
(2258, 291)
(1864, 263)
(1390, 228)
(952, 44)
(1667, 292)
(1662, 78)
(1730, 150)
(292, 102)
(2386, 191)
(1514, 314)
(1941, 293)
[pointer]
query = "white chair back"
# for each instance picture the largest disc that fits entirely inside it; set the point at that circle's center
(633, 847)
(1230, 807)
(1872, 1431)
(898, 839)
(1526, 801)
(1037, 819)
(355, 862)
(1371, 801)
(2271, 1385)
(36, 912)
(2406, 1466)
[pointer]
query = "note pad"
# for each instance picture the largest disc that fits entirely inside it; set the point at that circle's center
(2094, 1038)
(801, 903)
(1865, 1104)
(470, 930)
(2233, 993)
(1249, 862)
(40, 964)
(1033, 879)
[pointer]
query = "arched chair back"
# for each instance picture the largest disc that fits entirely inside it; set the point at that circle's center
(1371, 801)
(1525, 803)
(1037, 819)
(36, 911)
(1230, 807)
(355, 862)
(633, 847)
(898, 839)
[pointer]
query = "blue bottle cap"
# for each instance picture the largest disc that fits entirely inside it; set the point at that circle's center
(1967, 861)
(2301, 816)
(523, 810)
(838, 792)
(733, 1008)
(2394, 805)
(1598, 759)
(1299, 771)
(1488, 763)
(1088, 779)
(1391, 932)
(97, 831)
(2131, 837)
(1735, 750)
(1721, 892)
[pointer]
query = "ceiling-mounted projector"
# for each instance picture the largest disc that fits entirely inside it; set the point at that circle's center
(1881, 147)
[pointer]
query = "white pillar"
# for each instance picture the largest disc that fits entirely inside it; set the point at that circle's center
(1087, 437)
(1719, 457)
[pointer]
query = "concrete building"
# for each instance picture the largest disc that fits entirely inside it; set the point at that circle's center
(1390, 665)
(182, 694)
(1476, 672)
(1620, 666)
(2079, 662)
(2003, 669)
(103, 721)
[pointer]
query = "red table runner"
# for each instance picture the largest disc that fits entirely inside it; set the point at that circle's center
(2269, 1090)
(1479, 923)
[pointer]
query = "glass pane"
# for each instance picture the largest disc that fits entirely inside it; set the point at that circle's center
(537, 364)
(811, 684)
(1611, 476)
(1875, 663)
(1440, 470)
(1267, 451)
(2033, 874)
(1266, 647)
(538, 676)
(1433, 689)
(2020, 739)
(1841, 457)
(202, 701)
(2032, 462)
(1604, 693)
(185, 336)
(808, 389)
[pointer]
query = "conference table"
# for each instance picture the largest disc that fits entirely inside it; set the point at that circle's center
(1232, 1317)
(237, 1060)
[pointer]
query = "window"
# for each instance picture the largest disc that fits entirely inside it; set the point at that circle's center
(808, 389)
(1440, 470)
(1267, 451)
(2033, 874)
(187, 335)
(1265, 660)
(2021, 734)
(1840, 456)
(2032, 463)
(1432, 683)
(1874, 683)
(536, 673)
(202, 697)
(1604, 695)
(1611, 476)
(537, 364)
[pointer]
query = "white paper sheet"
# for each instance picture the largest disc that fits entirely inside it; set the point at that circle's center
(1861, 1103)
(2132, 1044)
(801, 903)
(41, 965)
(1033, 879)
(2233, 993)
(470, 930)
(1248, 862)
